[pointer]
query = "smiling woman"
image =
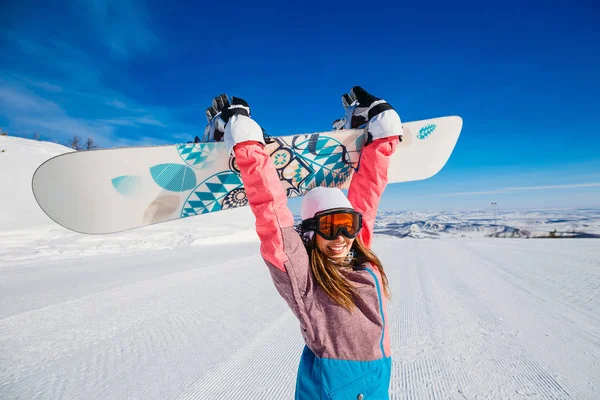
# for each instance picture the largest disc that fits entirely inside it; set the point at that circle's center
(328, 257)
(324, 269)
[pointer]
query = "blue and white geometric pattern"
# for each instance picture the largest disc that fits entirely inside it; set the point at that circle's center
(212, 194)
(308, 161)
(326, 159)
(425, 131)
(199, 155)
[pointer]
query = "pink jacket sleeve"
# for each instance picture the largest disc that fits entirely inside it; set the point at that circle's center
(369, 183)
(267, 199)
(281, 246)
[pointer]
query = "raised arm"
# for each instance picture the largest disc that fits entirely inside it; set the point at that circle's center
(266, 196)
(281, 246)
(369, 182)
(267, 200)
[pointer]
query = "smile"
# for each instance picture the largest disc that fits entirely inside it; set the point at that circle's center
(336, 249)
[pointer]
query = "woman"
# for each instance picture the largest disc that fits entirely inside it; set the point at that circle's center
(332, 281)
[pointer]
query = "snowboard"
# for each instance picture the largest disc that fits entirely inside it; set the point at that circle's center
(112, 190)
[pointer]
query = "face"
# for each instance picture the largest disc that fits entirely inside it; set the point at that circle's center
(337, 248)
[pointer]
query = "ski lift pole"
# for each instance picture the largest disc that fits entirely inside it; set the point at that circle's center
(494, 204)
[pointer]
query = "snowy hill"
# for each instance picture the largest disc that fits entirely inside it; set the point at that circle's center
(19, 158)
(187, 309)
(27, 233)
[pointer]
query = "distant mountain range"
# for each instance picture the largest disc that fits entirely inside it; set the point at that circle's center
(580, 223)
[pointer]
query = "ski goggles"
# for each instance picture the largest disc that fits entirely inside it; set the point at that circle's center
(331, 224)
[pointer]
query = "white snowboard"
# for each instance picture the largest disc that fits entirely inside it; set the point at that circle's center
(111, 190)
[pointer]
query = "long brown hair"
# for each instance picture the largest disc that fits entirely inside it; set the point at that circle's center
(335, 285)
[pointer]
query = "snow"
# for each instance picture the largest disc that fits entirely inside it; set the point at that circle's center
(187, 310)
(582, 223)
(19, 158)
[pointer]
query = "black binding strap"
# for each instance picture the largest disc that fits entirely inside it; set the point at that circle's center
(378, 109)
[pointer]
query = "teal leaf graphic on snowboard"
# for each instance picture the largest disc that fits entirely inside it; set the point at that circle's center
(174, 177)
(425, 131)
(126, 184)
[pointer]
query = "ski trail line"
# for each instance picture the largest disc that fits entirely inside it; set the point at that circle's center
(457, 330)
(274, 368)
(469, 319)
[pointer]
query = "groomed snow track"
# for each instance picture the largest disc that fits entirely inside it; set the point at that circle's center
(470, 319)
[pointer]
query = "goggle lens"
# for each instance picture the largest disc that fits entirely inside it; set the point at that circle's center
(333, 225)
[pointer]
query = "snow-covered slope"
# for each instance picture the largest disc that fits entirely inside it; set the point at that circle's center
(19, 158)
(469, 319)
(187, 310)
(26, 233)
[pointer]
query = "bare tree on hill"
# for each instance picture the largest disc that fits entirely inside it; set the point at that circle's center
(75, 143)
(90, 144)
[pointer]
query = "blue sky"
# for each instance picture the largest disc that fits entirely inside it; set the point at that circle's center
(523, 76)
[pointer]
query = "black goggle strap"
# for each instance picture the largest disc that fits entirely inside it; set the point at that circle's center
(309, 225)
